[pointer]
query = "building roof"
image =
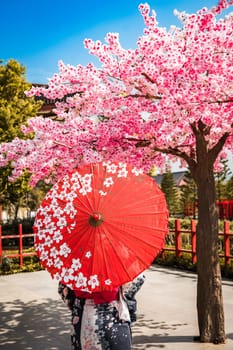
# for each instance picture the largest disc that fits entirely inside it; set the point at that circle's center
(178, 177)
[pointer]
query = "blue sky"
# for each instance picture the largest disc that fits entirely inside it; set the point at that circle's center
(40, 33)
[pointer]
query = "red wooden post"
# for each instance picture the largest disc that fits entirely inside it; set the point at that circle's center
(178, 237)
(0, 244)
(227, 250)
(20, 246)
(193, 237)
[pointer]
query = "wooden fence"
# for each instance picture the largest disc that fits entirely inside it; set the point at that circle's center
(20, 251)
(175, 242)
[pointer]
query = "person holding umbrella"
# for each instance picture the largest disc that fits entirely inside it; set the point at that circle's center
(97, 229)
(102, 320)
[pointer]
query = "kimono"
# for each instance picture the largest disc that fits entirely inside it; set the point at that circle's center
(102, 325)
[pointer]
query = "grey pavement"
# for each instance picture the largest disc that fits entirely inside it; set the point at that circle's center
(32, 316)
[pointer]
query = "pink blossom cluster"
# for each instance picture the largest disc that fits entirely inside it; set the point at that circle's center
(139, 106)
(222, 5)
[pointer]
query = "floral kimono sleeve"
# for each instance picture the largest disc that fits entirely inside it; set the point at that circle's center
(76, 307)
(129, 291)
(131, 288)
(67, 295)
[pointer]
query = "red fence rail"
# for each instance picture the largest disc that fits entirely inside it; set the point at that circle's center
(175, 245)
(20, 254)
(178, 247)
(225, 209)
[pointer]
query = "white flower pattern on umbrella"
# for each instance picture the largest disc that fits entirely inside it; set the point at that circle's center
(51, 228)
(57, 212)
(72, 226)
(108, 282)
(53, 252)
(62, 222)
(67, 274)
(64, 250)
(108, 182)
(44, 255)
(76, 264)
(93, 281)
(83, 184)
(41, 235)
(102, 193)
(81, 281)
(122, 173)
(88, 255)
(69, 209)
(48, 241)
(47, 220)
(57, 227)
(137, 172)
(71, 196)
(57, 276)
(49, 262)
(57, 236)
(58, 263)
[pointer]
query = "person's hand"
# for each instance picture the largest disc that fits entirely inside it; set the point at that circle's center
(65, 292)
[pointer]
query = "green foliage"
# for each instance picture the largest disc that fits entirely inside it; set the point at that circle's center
(15, 109)
(170, 190)
(12, 228)
(188, 196)
(11, 266)
(15, 106)
(229, 189)
(184, 262)
(169, 259)
(5, 265)
(221, 181)
(185, 223)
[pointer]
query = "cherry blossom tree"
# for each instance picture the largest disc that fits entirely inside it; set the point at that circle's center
(170, 98)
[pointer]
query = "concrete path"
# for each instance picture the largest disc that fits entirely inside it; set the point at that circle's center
(32, 316)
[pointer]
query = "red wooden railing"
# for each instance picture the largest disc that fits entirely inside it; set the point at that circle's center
(177, 247)
(21, 254)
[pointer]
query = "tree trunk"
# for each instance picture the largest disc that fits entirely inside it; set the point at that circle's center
(209, 286)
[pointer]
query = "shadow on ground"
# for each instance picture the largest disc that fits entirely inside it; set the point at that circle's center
(33, 325)
(46, 326)
(159, 334)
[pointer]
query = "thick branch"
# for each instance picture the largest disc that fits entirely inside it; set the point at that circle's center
(57, 143)
(148, 78)
(214, 152)
(147, 96)
(173, 151)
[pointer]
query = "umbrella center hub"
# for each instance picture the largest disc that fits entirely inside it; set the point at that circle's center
(95, 219)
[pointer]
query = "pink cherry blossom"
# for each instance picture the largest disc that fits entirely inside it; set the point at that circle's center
(140, 105)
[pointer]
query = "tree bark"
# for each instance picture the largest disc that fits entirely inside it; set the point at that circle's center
(209, 285)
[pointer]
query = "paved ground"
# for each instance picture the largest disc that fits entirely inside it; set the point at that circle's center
(33, 317)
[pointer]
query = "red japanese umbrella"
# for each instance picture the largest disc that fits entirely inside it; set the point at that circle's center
(100, 226)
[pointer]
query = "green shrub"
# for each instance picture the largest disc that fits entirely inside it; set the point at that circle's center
(12, 228)
(11, 266)
(184, 262)
(169, 258)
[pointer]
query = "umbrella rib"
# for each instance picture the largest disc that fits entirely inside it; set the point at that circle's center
(116, 226)
(115, 250)
(146, 265)
(137, 238)
(106, 215)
